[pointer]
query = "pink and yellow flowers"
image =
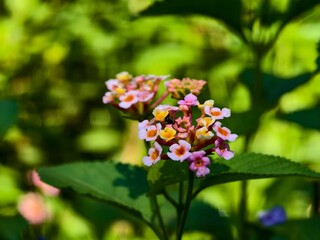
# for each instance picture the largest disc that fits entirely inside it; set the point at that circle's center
(174, 133)
(177, 136)
(132, 95)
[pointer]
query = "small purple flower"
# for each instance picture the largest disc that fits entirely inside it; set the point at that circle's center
(199, 163)
(274, 216)
(223, 149)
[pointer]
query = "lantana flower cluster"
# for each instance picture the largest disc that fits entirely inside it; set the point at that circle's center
(132, 95)
(180, 88)
(186, 137)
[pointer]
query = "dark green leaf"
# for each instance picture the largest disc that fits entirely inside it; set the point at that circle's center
(318, 58)
(251, 118)
(218, 225)
(227, 11)
(281, 190)
(12, 228)
(122, 185)
(308, 118)
(253, 166)
(269, 14)
(301, 229)
(9, 114)
(298, 7)
(273, 87)
(165, 173)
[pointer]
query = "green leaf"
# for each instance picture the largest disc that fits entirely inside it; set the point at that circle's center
(9, 114)
(12, 228)
(227, 11)
(219, 226)
(318, 58)
(308, 118)
(253, 166)
(121, 185)
(298, 7)
(301, 229)
(273, 87)
(166, 172)
(251, 118)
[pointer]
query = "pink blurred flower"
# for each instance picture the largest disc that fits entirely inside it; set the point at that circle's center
(31, 206)
(45, 188)
(128, 99)
(179, 88)
(189, 100)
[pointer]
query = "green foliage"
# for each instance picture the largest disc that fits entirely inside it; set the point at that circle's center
(227, 12)
(9, 115)
(307, 118)
(254, 166)
(121, 185)
(300, 229)
(165, 173)
(241, 167)
(273, 87)
(250, 117)
(207, 219)
(12, 227)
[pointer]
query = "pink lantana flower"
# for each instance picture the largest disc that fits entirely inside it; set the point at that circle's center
(145, 96)
(223, 149)
(154, 155)
(179, 151)
(189, 100)
(108, 98)
(45, 188)
(199, 163)
(150, 133)
(128, 99)
(224, 132)
(112, 84)
(217, 113)
(31, 206)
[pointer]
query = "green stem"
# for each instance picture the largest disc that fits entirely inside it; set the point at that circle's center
(186, 206)
(179, 208)
(243, 211)
(170, 199)
(157, 212)
(156, 209)
(316, 199)
(243, 199)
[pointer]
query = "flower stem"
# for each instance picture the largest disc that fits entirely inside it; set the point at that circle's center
(184, 216)
(157, 212)
(159, 100)
(316, 199)
(179, 208)
(169, 198)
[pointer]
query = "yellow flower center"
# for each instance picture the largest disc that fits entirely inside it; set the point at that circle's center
(120, 90)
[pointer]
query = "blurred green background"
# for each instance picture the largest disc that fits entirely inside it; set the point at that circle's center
(55, 56)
